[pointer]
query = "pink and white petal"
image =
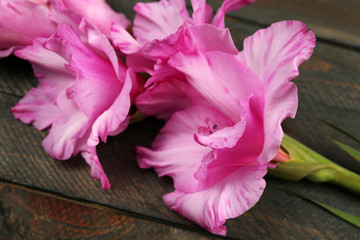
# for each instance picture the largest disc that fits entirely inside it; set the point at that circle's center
(220, 78)
(163, 72)
(99, 42)
(223, 138)
(140, 63)
(156, 20)
(123, 125)
(66, 130)
(100, 82)
(98, 12)
(92, 38)
(123, 40)
(15, 29)
(220, 39)
(53, 83)
(189, 39)
(280, 105)
(97, 172)
(227, 6)
(175, 152)
(6, 52)
(96, 77)
(110, 120)
(274, 54)
(60, 14)
(39, 55)
(43, 2)
(202, 12)
(48, 67)
(222, 162)
(226, 137)
(36, 109)
(166, 92)
(228, 198)
(164, 99)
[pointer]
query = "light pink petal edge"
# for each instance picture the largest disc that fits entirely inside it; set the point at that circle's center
(229, 198)
(274, 54)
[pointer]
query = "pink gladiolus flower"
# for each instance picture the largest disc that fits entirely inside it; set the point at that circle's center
(84, 92)
(218, 145)
(21, 22)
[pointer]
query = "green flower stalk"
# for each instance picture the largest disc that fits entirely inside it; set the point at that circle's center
(296, 162)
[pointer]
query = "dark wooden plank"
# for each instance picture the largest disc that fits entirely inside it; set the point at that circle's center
(16, 76)
(328, 86)
(140, 191)
(27, 214)
(331, 20)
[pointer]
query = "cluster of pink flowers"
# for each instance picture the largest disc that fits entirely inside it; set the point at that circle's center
(223, 107)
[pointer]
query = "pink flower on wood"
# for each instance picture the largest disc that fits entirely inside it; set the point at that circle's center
(217, 146)
(84, 92)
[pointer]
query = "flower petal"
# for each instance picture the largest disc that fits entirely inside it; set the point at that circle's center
(15, 17)
(65, 130)
(224, 138)
(36, 109)
(156, 20)
(227, 6)
(111, 119)
(193, 166)
(228, 198)
(123, 40)
(220, 78)
(96, 77)
(175, 152)
(7, 52)
(167, 91)
(49, 68)
(97, 171)
(190, 39)
(274, 54)
(164, 99)
(202, 12)
(98, 12)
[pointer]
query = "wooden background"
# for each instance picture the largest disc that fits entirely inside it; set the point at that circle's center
(42, 198)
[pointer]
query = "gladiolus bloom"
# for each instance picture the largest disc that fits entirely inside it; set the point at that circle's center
(218, 146)
(84, 91)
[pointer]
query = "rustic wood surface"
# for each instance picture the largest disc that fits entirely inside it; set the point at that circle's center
(42, 198)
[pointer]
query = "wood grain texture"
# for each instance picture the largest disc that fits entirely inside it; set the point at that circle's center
(16, 76)
(329, 87)
(26, 214)
(139, 191)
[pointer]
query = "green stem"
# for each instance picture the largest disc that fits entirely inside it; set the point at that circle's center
(346, 178)
(303, 162)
